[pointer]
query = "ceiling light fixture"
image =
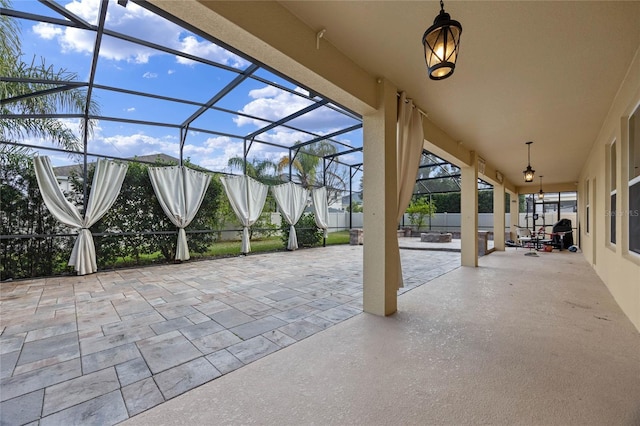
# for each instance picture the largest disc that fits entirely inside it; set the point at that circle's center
(529, 172)
(441, 43)
(541, 193)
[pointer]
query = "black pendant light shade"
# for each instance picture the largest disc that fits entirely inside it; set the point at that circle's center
(441, 43)
(541, 193)
(529, 172)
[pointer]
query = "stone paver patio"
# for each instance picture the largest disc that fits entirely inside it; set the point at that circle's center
(101, 348)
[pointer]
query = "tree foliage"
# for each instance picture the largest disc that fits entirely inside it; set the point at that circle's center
(308, 169)
(25, 78)
(419, 210)
(355, 207)
(137, 214)
(450, 202)
(261, 170)
(307, 232)
(22, 212)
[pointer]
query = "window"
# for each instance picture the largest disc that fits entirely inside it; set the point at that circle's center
(612, 192)
(634, 182)
(587, 197)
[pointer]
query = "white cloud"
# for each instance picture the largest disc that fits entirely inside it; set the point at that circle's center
(137, 22)
(134, 145)
(46, 31)
(149, 74)
(218, 151)
(132, 109)
(283, 136)
(171, 72)
(270, 103)
(207, 50)
(273, 104)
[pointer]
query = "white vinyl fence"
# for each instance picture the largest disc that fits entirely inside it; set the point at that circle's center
(449, 222)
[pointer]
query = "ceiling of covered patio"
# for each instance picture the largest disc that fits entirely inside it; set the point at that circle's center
(545, 72)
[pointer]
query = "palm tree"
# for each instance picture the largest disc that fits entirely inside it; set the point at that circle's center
(261, 170)
(310, 172)
(21, 79)
(307, 162)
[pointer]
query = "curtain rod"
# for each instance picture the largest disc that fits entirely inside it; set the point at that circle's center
(424, 114)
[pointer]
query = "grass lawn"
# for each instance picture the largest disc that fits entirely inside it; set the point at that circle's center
(232, 248)
(227, 248)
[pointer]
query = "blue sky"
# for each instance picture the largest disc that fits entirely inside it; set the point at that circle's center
(130, 66)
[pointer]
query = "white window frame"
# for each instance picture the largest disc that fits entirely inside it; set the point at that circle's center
(587, 206)
(613, 192)
(631, 181)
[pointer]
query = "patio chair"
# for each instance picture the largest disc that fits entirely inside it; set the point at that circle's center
(524, 237)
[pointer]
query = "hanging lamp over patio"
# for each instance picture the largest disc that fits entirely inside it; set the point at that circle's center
(541, 193)
(529, 172)
(441, 43)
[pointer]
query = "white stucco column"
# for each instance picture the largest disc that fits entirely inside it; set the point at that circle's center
(469, 212)
(498, 217)
(381, 266)
(514, 212)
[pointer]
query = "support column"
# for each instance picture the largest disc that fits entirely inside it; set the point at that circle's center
(380, 262)
(498, 217)
(469, 212)
(514, 212)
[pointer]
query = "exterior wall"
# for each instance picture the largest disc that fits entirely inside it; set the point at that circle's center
(618, 268)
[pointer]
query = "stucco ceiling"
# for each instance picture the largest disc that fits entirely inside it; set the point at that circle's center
(540, 71)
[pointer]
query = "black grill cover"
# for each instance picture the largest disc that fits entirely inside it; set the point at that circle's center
(563, 225)
(566, 240)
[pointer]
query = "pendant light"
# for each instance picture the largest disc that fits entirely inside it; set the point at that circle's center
(541, 193)
(529, 172)
(441, 43)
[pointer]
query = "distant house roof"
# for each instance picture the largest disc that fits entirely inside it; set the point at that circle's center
(356, 198)
(151, 159)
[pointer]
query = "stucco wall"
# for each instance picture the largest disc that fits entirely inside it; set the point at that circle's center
(616, 266)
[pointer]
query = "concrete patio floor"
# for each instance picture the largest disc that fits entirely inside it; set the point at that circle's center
(101, 348)
(520, 340)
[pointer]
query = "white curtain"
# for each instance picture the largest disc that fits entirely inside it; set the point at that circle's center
(291, 199)
(180, 192)
(247, 197)
(321, 208)
(409, 143)
(107, 181)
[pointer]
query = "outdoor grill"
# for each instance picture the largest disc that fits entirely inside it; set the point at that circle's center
(562, 234)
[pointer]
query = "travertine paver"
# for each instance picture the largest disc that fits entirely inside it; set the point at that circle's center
(253, 349)
(167, 350)
(81, 389)
(224, 361)
(109, 358)
(141, 396)
(103, 347)
(186, 377)
(107, 409)
(132, 371)
(23, 409)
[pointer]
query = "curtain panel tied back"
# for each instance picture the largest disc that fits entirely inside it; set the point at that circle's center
(246, 196)
(409, 145)
(321, 208)
(292, 199)
(180, 191)
(107, 181)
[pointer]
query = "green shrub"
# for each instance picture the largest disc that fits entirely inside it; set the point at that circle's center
(22, 212)
(306, 230)
(263, 228)
(419, 210)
